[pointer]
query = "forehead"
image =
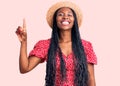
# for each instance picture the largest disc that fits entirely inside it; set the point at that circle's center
(63, 9)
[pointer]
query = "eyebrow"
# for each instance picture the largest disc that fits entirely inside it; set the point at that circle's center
(63, 12)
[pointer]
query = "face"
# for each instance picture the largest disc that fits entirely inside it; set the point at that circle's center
(65, 18)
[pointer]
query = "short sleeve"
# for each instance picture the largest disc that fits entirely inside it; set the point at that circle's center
(90, 54)
(40, 50)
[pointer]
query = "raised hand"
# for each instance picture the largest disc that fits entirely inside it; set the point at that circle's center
(21, 32)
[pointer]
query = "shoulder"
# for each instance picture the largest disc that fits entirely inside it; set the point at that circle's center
(44, 42)
(86, 43)
(40, 49)
(90, 54)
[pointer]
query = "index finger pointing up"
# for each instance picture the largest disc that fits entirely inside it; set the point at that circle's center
(24, 24)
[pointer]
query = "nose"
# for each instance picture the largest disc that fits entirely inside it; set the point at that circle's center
(65, 16)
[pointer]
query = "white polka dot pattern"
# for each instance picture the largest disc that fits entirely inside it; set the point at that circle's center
(41, 49)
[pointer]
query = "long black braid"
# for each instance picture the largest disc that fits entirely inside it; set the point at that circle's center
(81, 72)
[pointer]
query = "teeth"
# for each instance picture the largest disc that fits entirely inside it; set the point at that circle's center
(65, 23)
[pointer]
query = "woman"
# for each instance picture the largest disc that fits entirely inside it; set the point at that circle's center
(70, 59)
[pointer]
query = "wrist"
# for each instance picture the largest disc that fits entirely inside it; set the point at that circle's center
(23, 42)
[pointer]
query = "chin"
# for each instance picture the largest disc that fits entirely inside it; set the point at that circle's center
(65, 29)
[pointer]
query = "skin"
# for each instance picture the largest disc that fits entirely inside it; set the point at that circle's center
(65, 15)
(27, 64)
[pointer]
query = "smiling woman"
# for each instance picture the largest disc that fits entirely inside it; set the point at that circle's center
(70, 59)
(65, 18)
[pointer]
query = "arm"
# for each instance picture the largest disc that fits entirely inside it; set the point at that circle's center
(91, 81)
(25, 64)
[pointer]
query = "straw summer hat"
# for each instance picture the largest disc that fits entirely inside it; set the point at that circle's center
(55, 7)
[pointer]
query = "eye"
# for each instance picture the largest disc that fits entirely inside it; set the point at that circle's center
(60, 14)
(70, 14)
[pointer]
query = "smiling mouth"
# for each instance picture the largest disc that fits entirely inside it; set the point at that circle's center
(65, 23)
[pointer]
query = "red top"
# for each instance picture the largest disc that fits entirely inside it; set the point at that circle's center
(41, 49)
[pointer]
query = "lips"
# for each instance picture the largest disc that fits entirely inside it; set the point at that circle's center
(65, 22)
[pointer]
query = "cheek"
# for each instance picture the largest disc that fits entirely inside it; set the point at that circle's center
(73, 21)
(58, 20)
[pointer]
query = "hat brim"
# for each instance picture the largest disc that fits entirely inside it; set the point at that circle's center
(55, 7)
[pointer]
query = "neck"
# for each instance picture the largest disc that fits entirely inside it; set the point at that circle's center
(65, 36)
